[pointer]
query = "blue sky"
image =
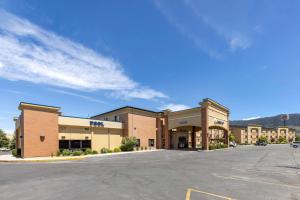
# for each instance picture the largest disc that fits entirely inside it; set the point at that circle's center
(92, 57)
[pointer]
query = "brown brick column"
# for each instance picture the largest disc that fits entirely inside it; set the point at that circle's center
(166, 130)
(204, 126)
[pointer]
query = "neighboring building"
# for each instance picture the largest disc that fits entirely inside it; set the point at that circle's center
(250, 134)
(42, 130)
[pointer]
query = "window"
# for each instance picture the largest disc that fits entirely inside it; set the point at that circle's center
(151, 142)
(138, 143)
(117, 118)
(86, 144)
(75, 144)
(63, 144)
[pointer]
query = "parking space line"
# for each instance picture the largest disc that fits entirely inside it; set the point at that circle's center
(190, 190)
(246, 179)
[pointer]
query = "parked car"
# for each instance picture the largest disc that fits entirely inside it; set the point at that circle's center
(232, 144)
(295, 144)
(259, 143)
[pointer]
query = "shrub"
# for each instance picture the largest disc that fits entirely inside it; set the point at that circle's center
(212, 147)
(94, 152)
(14, 152)
(128, 143)
(66, 152)
(263, 139)
(231, 137)
(146, 148)
(282, 140)
(224, 146)
(88, 151)
(117, 149)
(109, 151)
(104, 150)
(58, 153)
(77, 153)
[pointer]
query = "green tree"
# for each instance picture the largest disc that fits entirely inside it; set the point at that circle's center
(128, 143)
(12, 144)
(282, 139)
(4, 141)
(231, 137)
(263, 139)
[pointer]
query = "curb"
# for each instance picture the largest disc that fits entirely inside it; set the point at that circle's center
(72, 158)
(41, 160)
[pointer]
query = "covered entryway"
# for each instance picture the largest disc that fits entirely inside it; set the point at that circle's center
(185, 137)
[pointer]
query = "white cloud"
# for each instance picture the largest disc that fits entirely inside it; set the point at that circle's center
(30, 53)
(251, 118)
(238, 42)
(88, 98)
(11, 91)
(174, 107)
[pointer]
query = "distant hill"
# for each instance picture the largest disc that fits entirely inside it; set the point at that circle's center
(274, 121)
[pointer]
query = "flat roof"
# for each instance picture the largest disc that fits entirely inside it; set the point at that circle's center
(37, 105)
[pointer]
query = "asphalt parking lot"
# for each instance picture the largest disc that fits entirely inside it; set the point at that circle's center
(247, 172)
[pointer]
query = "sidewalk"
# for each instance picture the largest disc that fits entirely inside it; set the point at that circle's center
(11, 159)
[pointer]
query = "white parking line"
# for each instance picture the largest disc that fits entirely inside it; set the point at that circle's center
(247, 179)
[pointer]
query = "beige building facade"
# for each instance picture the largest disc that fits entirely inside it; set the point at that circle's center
(250, 134)
(42, 130)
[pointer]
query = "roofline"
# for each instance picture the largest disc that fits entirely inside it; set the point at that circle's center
(38, 105)
(215, 102)
(124, 107)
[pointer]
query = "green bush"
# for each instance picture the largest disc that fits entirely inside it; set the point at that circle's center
(231, 137)
(212, 147)
(104, 150)
(88, 151)
(14, 152)
(94, 152)
(297, 138)
(282, 140)
(110, 151)
(66, 152)
(117, 149)
(128, 143)
(77, 153)
(263, 139)
(224, 146)
(58, 153)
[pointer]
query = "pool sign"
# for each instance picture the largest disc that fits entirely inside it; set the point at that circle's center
(96, 123)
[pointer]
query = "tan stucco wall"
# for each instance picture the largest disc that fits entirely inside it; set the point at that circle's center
(216, 115)
(190, 117)
(73, 121)
(107, 138)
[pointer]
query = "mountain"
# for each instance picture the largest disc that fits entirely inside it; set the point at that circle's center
(274, 121)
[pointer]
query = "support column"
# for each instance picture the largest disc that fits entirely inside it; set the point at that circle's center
(166, 130)
(204, 126)
(193, 137)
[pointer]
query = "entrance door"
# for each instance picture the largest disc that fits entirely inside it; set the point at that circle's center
(182, 142)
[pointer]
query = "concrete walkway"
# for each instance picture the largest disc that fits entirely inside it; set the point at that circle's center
(11, 158)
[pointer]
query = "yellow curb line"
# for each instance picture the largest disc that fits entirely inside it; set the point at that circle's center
(47, 160)
(190, 190)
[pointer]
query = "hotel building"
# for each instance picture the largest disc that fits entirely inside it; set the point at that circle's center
(250, 134)
(42, 130)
